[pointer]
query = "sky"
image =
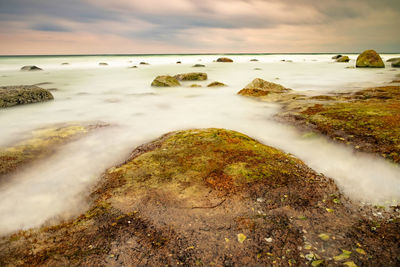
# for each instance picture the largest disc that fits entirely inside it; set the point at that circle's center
(35, 27)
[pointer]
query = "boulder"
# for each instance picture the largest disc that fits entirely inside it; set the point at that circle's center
(23, 94)
(343, 59)
(224, 59)
(103, 64)
(260, 87)
(337, 56)
(198, 65)
(396, 63)
(369, 59)
(30, 68)
(165, 81)
(191, 76)
(216, 84)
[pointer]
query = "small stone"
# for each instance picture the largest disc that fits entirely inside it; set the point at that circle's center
(324, 237)
(241, 238)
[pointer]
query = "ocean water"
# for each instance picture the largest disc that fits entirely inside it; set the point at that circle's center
(55, 188)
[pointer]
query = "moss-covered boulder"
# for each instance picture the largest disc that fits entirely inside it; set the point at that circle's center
(260, 87)
(216, 84)
(224, 59)
(343, 59)
(396, 63)
(209, 197)
(369, 59)
(30, 68)
(165, 81)
(23, 94)
(192, 76)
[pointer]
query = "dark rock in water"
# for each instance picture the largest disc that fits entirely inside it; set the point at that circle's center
(65, 63)
(192, 76)
(198, 65)
(165, 81)
(259, 87)
(30, 68)
(257, 69)
(133, 67)
(396, 63)
(178, 62)
(224, 59)
(343, 59)
(216, 84)
(393, 59)
(195, 85)
(337, 56)
(284, 60)
(144, 63)
(103, 64)
(23, 94)
(254, 60)
(369, 59)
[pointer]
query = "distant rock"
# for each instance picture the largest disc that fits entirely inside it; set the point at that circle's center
(224, 59)
(257, 69)
(30, 68)
(216, 84)
(369, 59)
(23, 94)
(165, 81)
(337, 56)
(178, 62)
(103, 64)
(133, 67)
(260, 87)
(144, 63)
(396, 63)
(343, 59)
(284, 60)
(195, 85)
(393, 59)
(192, 76)
(254, 60)
(198, 65)
(65, 63)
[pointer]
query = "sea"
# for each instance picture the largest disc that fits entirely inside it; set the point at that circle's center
(56, 188)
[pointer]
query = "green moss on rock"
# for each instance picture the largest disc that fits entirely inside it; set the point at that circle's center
(192, 76)
(369, 59)
(165, 81)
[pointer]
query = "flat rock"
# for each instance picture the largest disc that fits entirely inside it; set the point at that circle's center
(198, 66)
(103, 64)
(191, 76)
(30, 68)
(23, 94)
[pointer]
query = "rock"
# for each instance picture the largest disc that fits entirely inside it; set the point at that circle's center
(369, 59)
(396, 63)
(195, 85)
(103, 64)
(343, 59)
(165, 81)
(259, 87)
(191, 76)
(178, 62)
(216, 84)
(337, 56)
(30, 68)
(254, 60)
(393, 59)
(144, 63)
(23, 94)
(198, 65)
(284, 60)
(257, 69)
(224, 59)
(133, 67)
(65, 63)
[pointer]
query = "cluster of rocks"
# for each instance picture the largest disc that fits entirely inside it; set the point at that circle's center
(172, 81)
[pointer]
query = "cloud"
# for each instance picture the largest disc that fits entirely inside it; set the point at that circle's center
(215, 25)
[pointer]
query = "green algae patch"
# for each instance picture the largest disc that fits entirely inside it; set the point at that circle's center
(42, 143)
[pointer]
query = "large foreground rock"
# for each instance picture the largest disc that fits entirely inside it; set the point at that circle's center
(369, 59)
(165, 81)
(23, 94)
(192, 76)
(260, 87)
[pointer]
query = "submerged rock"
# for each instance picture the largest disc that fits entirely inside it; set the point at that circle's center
(30, 68)
(191, 76)
(260, 87)
(144, 63)
(198, 65)
(195, 85)
(23, 94)
(216, 84)
(65, 63)
(396, 63)
(178, 62)
(165, 81)
(393, 59)
(343, 59)
(103, 64)
(224, 59)
(133, 67)
(254, 60)
(337, 56)
(369, 59)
